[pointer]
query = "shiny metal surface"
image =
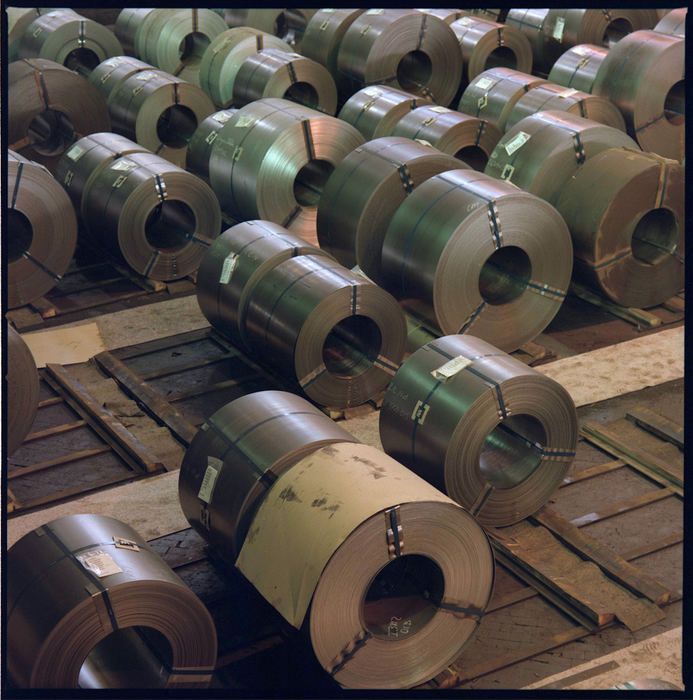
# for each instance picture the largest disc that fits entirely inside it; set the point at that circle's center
(109, 74)
(202, 140)
(577, 67)
(22, 390)
(674, 22)
(127, 26)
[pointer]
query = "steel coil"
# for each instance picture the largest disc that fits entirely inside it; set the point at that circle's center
(159, 217)
(495, 15)
(550, 96)
(297, 20)
(277, 73)
(495, 434)
(200, 145)
(103, 15)
(271, 20)
(470, 254)
(271, 161)
(446, 14)
(48, 108)
(238, 454)
(673, 22)
(147, 36)
(644, 75)
(543, 151)
(111, 73)
(128, 25)
(493, 94)
(407, 49)
(577, 67)
(364, 192)
(91, 605)
(469, 139)
(41, 231)
(22, 389)
(396, 575)
(18, 19)
(625, 210)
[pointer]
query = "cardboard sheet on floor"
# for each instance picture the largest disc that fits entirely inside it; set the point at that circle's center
(65, 346)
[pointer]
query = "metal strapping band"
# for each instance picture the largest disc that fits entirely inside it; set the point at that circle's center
(194, 20)
(502, 409)
(494, 223)
(308, 137)
(15, 191)
(197, 239)
(80, 39)
(354, 293)
(422, 33)
(579, 148)
(160, 187)
(26, 254)
(151, 263)
(581, 105)
(344, 655)
(385, 364)
(405, 176)
(394, 532)
(175, 93)
(287, 222)
(40, 82)
(662, 185)
(312, 376)
(553, 453)
(610, 261)
(608, 16)
(500, 36)
(258, 42)
(469, 322)
(481, 499)
(468, 612)
(482, 125)
(292, 72)
(179, 69)
(159, 148)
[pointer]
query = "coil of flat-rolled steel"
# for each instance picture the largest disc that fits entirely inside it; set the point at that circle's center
(364, 192)
(109, 74)
(495, 434)
(271, 161)
(625, 210)
(49, 107)
(446, 14)
(549, 96)
(22, 390)
(644, 76)
(577, 67)
(493, 94)
(237, 455)
(468, 138)
(392, 576)
(234, 264)
(127, 26)
(495, 15)
(147, 36)
(41, 231)
(543, 151)
(297, 20)
(470, 254)
(65, 37)
(92, 605)
(202, 140)
(271, 20)
(376, 110)
(277, 73)
(103, 15)
(225, 56)
(673, 22)
(18, 19)
(159, 217)
(411, 50)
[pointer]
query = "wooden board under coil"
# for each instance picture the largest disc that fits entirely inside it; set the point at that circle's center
(22, 389)
(200, 144)
(577, 67)
(673, 22)
(495, 434)
(78, 586)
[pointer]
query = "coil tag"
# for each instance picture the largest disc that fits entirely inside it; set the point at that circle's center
(37, 31)
(237, 153)
(567, 93)
(118, 182)
(68, 177)
(211, 137)
(245, 121)
(466, 21)
(122, 543)
(485, 83)
(99, 562)
(440, 109)
(324, 25)
(428, 121)
(229, 266)
(123, 164)
(517, 142)
(375, 12)
(582, 62)
(394, 532)
(204, 516)
(76, 152)
(209, 480)
(223, 116)
(451, 368)
(482, 101)
(373, 92)
(145, 75)
(558, 29)
(508, 171)
(581, 50)
(418, 415)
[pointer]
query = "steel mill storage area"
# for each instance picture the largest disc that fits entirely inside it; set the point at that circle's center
(344, 350)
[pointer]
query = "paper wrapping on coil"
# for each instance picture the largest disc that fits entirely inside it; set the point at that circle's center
(493, 93)
(129, 25)
(18, 19)
(549, 96)
(201, 142)
(159, 217)
(224, 57)
(277, 73)
(497, 435)
(468, 138)
(410, 50)
(238, 454)
(41, 231)
(543, 151)
(324, 528)
(644, 76)
(577, 67)
(673, 22)
(376, 110)
(470, 254)
(76, 588)
(48, 108)
(272, 158)
(625, 210)
(22, 390)
(365, 190)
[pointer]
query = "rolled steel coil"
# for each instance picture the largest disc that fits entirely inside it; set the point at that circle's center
(470, 254)
(18, 19)
(127, 26)
(236, 456)
(376, 110)
(159, 111)
(22, 390)
(446, 14)
(111, 73)
(396, 575)
(91, 605)
(200, 145)
(673, 22)
(495, 15)
(103, 15)
(41, 231)
(486, 44)
(364, 192)
(277, 73)
(644, 75)
(497, 435)
(493, 94)
(469, 139)
(271, 20)
(49, 107)
(298, 19)
(625, 210)
(70, 39)
(271, 161)
(550, 96)
(407, 49)
(233, 266)
(577, 67)
(147, 36)
(225, 56)
(543, 151)
(159, 217)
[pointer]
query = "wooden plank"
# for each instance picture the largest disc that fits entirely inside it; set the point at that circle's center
(623, 507)
(180, 287)
(58, 293)
(12, 502)
(50, 402)
(185, 367)
(55, 430)
(590, 472)
(24, 318)
(657, 425)
(58, 461)
(209, 388)
(511, 598)
(152, 346)
(665, 542)
(675, 304)
(636, 317)
(44, 307)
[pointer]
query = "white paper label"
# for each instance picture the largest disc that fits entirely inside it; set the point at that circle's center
(451, 368)
(440, 110)
(245, 121)
(228, 268)
(222, 117)
(375, 12)
(123, 164)
(145, 75)
(373, 92)
(516, 142)
(99, 562)
(581, 50)
(210, 479)
(466, 20)
(567, 93)
(328, 9)
(558, 29)
(485, 83)
(76, 152)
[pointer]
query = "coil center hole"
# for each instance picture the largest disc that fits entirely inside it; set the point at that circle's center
(502, 57)
(192, 47)
(50, 132)
(655, 235)
(675, 103)
(303, 93)
(510, 453)
(130, 657)
(176, 125)
(169, 226)
(82, 60)
(20, 234)
(414, 70)
(310, 181)
(403, 597)
(352, 346)
(473, 156)
(504, 276)
(616, 30)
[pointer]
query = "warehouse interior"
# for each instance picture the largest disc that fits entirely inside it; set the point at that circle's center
(344, 350)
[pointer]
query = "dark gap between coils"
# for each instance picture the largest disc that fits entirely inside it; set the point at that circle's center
(50, 132)
(20, 234)
(176, 125)
(352, 346)
(170, 226)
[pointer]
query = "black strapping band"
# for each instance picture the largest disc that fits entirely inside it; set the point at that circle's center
(26, 254)
(15, 191)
